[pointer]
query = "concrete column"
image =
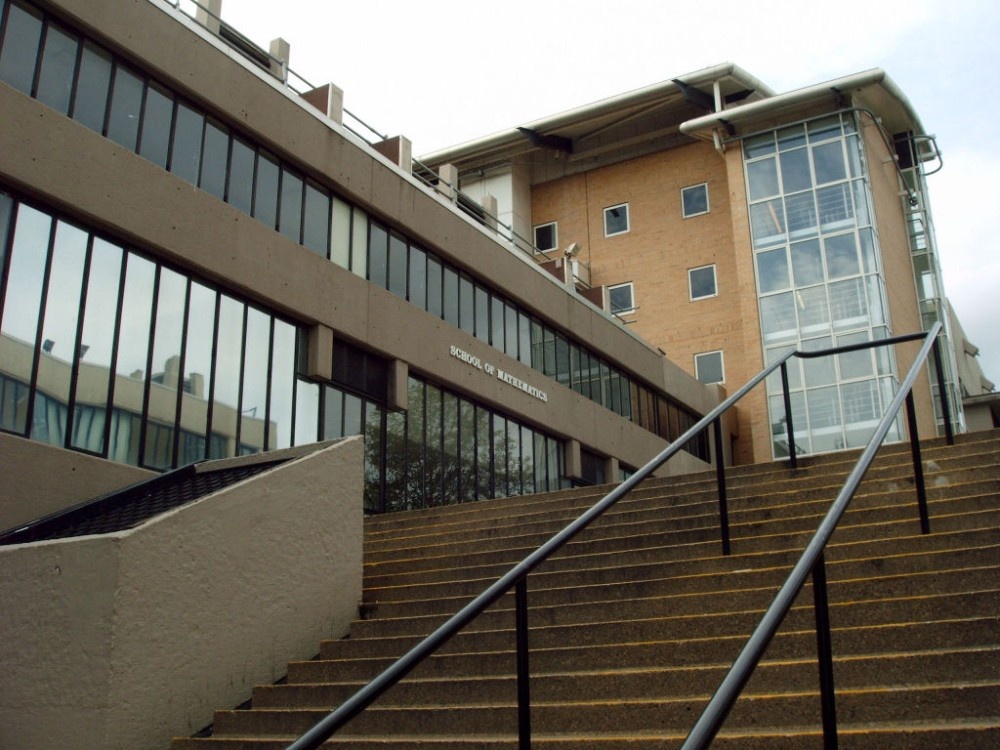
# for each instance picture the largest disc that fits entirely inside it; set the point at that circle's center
(399, 150)
(611, 469)
(489, 204)
(280, 52)
(572, 462)
(448, 181)
(397, 399)
(320, 360)
(329, 100)
(209, 14)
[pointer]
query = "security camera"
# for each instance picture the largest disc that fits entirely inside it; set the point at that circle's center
(571, 250)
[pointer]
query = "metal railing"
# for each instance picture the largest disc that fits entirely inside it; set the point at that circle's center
(516, 577)
(812, 563)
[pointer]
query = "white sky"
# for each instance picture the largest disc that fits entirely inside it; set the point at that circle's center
(442, 72)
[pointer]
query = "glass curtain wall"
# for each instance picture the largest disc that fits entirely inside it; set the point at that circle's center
(106, 351)
(819, 281)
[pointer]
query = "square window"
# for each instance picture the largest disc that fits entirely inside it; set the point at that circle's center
(621, 298)
(616, 220)
(546, 236)
(708, 367)
(694, 200)
(702, 282)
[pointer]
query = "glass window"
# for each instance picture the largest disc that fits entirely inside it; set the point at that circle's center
(306, 411)
(418, 277)
(97, 341)
(316, 220)
(524, 337)
(256, 352)
(290, 218)
(283, 388)
(834, 206)
(758, 145)
(131, 363)
(240, 175)
(621, 298)
(482, 314)
(198, 364)
(185, 147)
(166, 375)
(26, 277)
(795, 175)
(818, 370)
(814, 313)
(340, 233)
(510, 330)
(546, 236)
(694, 200)
(19, 49)
(397, 265)
(466, 310)
(857, 364)
(359, 242)
(433, 287)
(777, 317)
(824, 129)
(265, 198)
(701, 282)
(841, 256)
(616, 220)
(126, 106)
(378, 255)
(791, 137)
(772, 270)
(807, 263)
(227, 377)
(55, 80)
(767, 221)
(59, 331)
(763, 178)
(451, 296)
(91, 100)
(829, 162)
(801, 210)
(215, 163)
(157, 114)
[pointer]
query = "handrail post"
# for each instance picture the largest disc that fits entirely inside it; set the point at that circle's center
(824, 649)
(792, 458)
(943, 394)
(720, 475)
(918, 465)
(523, 671)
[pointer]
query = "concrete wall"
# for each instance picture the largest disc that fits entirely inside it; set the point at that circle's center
(142, 203)
(120, 641)
(37, 479)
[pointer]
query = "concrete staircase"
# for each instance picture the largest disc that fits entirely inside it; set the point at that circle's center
(634, 624)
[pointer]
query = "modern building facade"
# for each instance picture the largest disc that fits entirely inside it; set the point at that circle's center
(726, 223)
(201, 261)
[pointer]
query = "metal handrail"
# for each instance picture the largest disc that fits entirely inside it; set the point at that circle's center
(811, 562)
(516, 577)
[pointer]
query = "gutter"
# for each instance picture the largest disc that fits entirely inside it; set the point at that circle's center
(727, 118)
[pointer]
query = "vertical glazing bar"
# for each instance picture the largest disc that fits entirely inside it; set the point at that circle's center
(918, 466)
(824, 651)
(720, 475)
(523, 673)
(792, 458)
(943, 394)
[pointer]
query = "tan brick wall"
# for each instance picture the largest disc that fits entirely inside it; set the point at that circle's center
(661, 246)
(904, 312)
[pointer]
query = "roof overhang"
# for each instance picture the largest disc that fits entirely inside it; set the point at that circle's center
(656, 109)
(871, 89)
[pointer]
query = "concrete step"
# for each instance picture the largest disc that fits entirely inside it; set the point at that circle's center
(961, 734)
(935, 702)
(958, 631)
(852, 671)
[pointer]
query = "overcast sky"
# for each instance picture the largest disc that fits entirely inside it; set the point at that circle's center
(442, 72)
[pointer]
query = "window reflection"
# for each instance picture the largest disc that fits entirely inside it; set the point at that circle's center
(92, 84)
(55, 79)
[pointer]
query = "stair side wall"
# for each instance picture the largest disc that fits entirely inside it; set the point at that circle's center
(124, 640)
